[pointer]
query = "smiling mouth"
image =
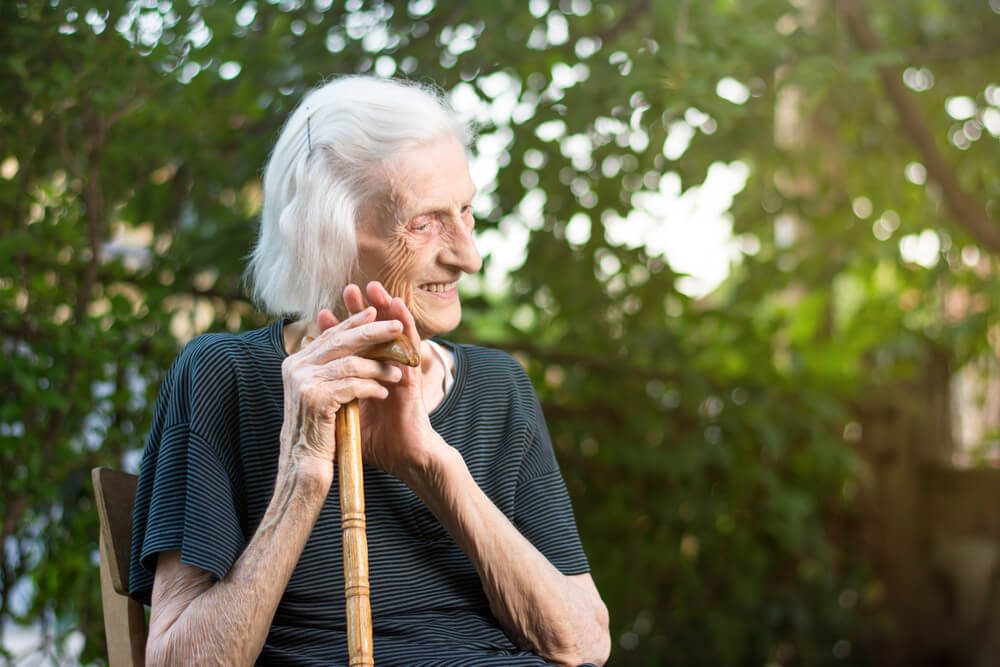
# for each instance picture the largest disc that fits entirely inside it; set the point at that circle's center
(438, 287)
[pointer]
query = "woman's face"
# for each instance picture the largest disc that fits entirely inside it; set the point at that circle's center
(421, 256)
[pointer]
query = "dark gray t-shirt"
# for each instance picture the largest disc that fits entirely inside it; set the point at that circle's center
(208, 474)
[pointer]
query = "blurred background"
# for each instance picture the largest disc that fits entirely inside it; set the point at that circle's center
(747, 250)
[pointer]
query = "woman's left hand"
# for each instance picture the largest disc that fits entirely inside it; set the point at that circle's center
(396, 432)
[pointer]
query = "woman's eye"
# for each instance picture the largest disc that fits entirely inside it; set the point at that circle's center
(421, 225)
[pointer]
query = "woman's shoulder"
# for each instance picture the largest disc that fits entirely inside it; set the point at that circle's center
(225, 347)
(485, 367)
(221, 357)
(214, 371)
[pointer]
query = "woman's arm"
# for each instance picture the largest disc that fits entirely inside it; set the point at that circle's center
(194, 621)
(560, 617)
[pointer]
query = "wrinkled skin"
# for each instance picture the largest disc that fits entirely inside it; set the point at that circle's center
(421, 252)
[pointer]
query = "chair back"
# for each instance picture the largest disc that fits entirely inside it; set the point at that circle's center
(124, 618)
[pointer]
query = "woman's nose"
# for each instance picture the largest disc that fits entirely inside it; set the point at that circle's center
(463, 253)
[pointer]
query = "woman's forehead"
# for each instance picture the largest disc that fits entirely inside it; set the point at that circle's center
(432, 176)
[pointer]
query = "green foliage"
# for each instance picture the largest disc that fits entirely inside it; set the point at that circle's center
(702, 438)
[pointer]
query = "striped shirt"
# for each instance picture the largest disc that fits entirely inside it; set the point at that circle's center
(208, 474)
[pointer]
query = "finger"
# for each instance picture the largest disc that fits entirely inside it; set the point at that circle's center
(359, 367)
(379, 296)
(326, 397)
(343, 392)
(353, 334)
(353, 299)
(399, 311)
(360, 318)
(310, 344)
(326, 320)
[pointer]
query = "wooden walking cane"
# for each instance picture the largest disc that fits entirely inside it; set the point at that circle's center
(352, 509)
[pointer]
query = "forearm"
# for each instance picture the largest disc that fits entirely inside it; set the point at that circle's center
(226, 622)
(539, 607)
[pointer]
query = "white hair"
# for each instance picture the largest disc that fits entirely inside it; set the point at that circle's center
(324, 173)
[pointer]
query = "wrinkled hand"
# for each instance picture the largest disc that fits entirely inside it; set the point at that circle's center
(327, 373)
(396, 432)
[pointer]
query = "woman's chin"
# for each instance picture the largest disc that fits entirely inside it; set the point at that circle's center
(437, 324)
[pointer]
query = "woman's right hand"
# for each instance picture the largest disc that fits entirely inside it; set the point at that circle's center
(322, 376)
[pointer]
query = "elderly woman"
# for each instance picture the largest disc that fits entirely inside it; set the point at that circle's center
(475, 559)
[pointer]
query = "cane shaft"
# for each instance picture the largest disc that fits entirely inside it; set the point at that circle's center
(352, 509)
(355, 541)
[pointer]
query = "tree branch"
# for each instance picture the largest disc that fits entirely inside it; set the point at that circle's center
(966, 210)
(632, 14)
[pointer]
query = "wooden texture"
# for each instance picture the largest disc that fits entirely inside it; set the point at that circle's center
(399, 349)
(351, 483)
(124, 618)
(355, 539)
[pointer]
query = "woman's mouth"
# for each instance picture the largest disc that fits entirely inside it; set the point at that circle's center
(438, 287)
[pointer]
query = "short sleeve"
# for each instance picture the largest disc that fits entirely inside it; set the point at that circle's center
(542, 508)
(189, 494)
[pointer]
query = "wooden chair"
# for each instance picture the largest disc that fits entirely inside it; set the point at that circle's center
(124, 618)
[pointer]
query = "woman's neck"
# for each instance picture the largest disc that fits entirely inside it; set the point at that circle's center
(436, 363)
(298, 334)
